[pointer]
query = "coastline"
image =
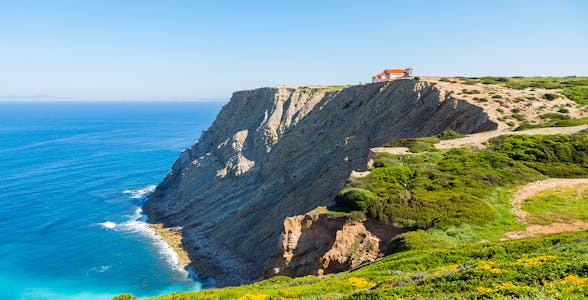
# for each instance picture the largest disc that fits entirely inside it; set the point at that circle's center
(172, 236)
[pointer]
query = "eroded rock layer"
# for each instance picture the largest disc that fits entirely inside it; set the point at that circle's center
(273, 153)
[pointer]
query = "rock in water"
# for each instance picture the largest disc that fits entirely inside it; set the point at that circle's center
(278, 152)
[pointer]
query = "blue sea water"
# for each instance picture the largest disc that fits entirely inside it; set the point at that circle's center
(66, 170)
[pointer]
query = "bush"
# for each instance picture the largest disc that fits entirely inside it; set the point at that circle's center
(470, 92)
(355, 199)
(496, 97)
(563, 110)
(550, 97)
(518, 117)
(552, 155)
(444, 79)
(554, 116)
(449, 135)
(415, 145)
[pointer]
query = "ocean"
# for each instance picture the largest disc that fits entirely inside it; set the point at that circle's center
(72, 178)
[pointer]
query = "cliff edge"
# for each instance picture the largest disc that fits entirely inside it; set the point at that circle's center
(274, 153)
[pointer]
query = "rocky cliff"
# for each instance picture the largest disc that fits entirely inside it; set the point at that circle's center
(278, 152)
(320, 243)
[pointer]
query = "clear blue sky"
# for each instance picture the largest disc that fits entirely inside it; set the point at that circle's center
(207, 49)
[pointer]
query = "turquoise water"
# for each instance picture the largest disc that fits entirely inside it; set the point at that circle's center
(72, 177)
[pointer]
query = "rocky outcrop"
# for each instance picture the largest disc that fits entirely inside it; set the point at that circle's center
(319, 243)
(273, 153)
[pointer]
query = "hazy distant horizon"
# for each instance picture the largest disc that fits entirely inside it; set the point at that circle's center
(131, 50)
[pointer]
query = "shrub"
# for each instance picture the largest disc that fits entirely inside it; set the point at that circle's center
(554, 116)
(355, 199)
(444, 79)
(515, 110)
(470, 92)
(500, 110)
(563, 110)
(449, 135)
(415, 145)
(552, 155)
(550, 96)
(496, 97)
(518, 117)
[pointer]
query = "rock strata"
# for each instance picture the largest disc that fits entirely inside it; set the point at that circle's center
(273, 153)
(318, 243)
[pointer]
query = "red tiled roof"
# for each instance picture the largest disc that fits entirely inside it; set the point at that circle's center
(394, 71)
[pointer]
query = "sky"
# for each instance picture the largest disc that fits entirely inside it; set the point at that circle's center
(198, 50)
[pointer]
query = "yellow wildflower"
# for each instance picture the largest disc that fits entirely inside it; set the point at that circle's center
(536, 260)
(490, 269)
(483, 289)
(508, 285)
(253, 297)
(576, 279)
(361, 283)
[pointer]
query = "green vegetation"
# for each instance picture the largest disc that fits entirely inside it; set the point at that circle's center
(449, 135)
(558, 205)
(550, 96)
(460, 196)
(554, 123)
(575, 88)
(436, 190)
(447, 202)
(330, 88)
(551, 267)
(552, 155)
(125, 297)
(518, 117)
(415, 145)
(470, 92)
(444, 79)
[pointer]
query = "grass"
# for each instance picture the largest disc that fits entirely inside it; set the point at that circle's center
(554, 123)
(550, 267)
(558, 205)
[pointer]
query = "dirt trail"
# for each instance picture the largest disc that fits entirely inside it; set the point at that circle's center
(532, 189)
(475, 140)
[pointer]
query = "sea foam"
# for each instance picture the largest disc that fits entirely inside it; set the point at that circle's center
(137, 224)
(140, 193)
(108, 225)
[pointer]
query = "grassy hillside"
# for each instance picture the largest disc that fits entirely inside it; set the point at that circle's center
(455, 207)
(460, 196)
(546, 267)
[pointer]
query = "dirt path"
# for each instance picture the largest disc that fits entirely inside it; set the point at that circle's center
(532, 189)
(475, 140)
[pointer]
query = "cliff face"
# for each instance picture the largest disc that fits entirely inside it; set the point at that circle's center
(319, 244)
(279, 152)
